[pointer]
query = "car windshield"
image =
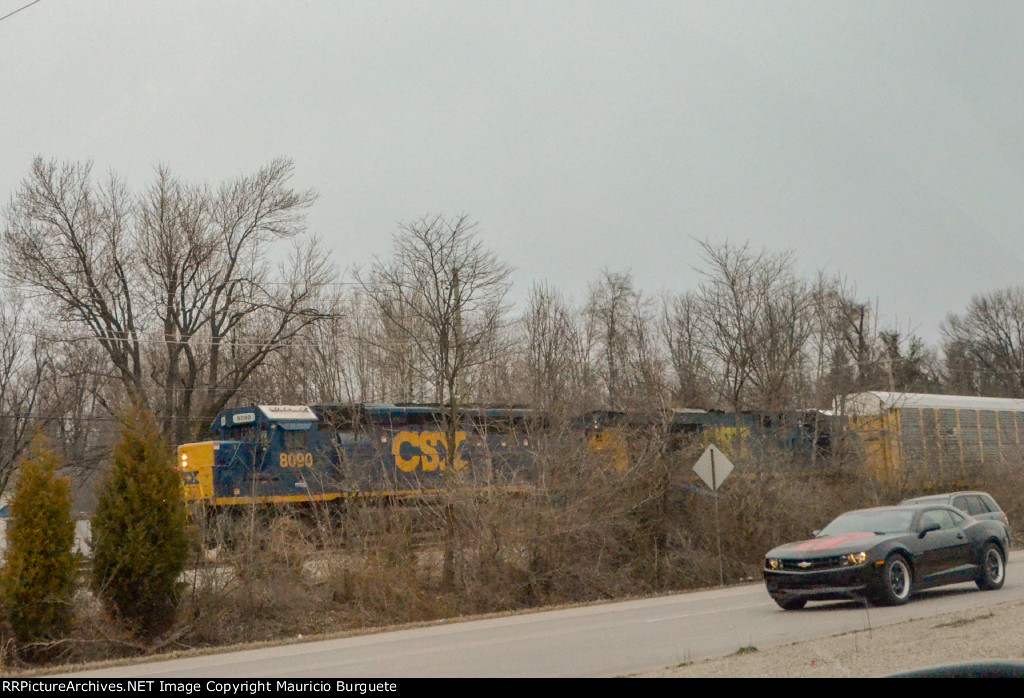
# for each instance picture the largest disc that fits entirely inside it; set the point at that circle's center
(883, 521)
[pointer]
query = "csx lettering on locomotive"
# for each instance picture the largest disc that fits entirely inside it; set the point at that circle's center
(413, 450)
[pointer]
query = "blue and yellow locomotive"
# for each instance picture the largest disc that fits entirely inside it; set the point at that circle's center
(279, 454)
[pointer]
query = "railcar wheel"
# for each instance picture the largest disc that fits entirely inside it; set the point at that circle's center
(790, 604)
(993, 568)
(896, 582)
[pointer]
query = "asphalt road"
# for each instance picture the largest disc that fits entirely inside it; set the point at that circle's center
(611, 639)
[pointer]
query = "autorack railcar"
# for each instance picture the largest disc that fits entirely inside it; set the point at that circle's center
(920, 441)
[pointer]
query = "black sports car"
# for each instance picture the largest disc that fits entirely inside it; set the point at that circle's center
(885, 554)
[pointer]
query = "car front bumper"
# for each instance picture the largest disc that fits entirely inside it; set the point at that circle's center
(838, 584)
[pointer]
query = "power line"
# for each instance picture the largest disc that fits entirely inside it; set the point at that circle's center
(19, 10)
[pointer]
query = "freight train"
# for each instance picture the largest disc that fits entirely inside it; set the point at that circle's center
(297, 454)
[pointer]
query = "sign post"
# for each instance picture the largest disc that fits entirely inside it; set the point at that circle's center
(713, 467)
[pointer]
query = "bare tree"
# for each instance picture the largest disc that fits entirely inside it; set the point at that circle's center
(838, 344)
(850, 353)
(782, 329)
(175, 285)
(331, 360)
(444, 293)
(409, 376)
(628, 352)
(79, 390)
(492, 380)
(353, 356)
(555, 358)
(23, 363)
(608, 309)
(985, 345)
(745, 299)
(680, 331)
(777, 342)
(66, 238)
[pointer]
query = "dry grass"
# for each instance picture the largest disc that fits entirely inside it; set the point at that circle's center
(587, 534)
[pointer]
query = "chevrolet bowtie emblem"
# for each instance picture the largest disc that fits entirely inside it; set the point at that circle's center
(803, 564)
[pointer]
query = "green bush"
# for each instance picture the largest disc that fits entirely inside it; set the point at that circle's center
(139, 530)
(38, 579)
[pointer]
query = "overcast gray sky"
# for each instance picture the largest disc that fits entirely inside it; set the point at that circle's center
(878, 140)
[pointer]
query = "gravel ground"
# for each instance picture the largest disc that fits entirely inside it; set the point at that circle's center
(990, 634)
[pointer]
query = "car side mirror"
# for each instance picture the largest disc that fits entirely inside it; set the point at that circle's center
(928, 528)
(815, 532)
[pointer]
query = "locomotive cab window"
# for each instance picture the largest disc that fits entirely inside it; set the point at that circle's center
(246, 433)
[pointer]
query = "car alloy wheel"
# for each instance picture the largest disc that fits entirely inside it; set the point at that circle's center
(896, 581)
(993, 568)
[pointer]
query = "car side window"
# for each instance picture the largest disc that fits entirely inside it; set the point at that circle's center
(930, 517)
(957, 519)
(960, 503)
(945, 519)
(975, 505)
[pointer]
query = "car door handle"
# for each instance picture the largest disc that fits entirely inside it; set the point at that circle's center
(960, 536)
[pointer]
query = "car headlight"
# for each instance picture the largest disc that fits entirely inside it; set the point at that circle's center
(772, 563)
(855, 558)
